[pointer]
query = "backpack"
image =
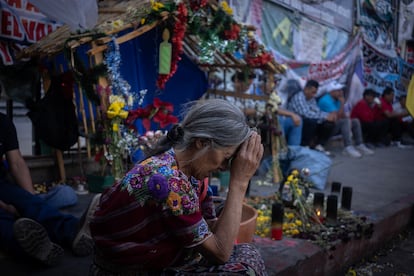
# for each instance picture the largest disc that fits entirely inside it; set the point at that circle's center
(54, 116)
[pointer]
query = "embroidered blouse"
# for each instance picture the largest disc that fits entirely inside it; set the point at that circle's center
(152, 216)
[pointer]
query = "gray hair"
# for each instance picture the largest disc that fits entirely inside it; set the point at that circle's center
(215, 120)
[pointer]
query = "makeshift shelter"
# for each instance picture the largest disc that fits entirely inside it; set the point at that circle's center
(202, 34)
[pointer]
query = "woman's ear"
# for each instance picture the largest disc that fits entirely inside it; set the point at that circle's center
(201, 143)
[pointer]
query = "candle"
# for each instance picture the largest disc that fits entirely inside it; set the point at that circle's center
(277, 221)
(165, 50)
(332, 208)
(318, 202)
(346, 198)
(336, 188)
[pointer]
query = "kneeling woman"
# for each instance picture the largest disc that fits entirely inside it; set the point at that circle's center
(152, 221)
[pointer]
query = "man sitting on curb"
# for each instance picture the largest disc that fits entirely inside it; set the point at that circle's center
(333, 101)
(29, 227)
(317, 125)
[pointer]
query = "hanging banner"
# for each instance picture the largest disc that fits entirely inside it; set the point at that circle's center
(337, 13)
(298, 37)
(384, 68)
(324, 71)
(21, 24)
(376, 18)
(406, 21)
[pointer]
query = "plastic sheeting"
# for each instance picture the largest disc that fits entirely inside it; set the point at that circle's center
(77, 14)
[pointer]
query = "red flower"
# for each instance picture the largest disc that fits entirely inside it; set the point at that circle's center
(233, 33)
(158, 112)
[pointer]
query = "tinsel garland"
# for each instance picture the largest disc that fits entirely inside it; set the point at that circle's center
(177, 44)
(113, 63)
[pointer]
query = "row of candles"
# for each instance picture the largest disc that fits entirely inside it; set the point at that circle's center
(332, 202)
(318, 206)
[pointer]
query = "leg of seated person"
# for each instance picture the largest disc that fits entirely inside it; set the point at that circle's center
(293, 133)
(357, 131)
(345, 128)
(370, 131)
(324, 131)
(62, 228)
(7, 241)
(395, 129)
(308, 132)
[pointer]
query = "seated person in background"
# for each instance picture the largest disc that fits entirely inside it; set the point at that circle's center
(374, 131)
(317, 125)
(152, 220)
(406, 120)
(29, 227)
(333, 101)
(386, 113)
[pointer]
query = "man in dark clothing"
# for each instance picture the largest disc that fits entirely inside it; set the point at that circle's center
(28, 225)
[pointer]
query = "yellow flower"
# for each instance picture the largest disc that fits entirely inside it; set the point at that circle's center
(116, 109)
(226, 8)
(290, 178)
(298, 222)
(295, 232)
(115, 127)
(290, 215)
(143, 21)
(117, 23)
(155, 6)
(351, 272)
(295, 172)
(299, 192)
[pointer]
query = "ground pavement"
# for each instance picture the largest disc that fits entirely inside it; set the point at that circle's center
(382, 188)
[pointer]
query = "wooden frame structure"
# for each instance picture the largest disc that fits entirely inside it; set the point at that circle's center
(125, 16)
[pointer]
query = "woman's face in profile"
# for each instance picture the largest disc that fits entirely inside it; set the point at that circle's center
(213, 160)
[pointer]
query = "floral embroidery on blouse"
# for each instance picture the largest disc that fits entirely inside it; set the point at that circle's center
(158, 180)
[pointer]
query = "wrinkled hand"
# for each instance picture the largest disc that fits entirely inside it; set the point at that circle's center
(248, 159)
(9, 208)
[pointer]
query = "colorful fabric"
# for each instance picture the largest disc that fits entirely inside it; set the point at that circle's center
(245, 260)
(147, 219)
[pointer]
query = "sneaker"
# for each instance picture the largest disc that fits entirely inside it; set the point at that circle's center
(34, 240)
(400, 145)
(364, 149)
(83, 244)
(320, 148)
(352, 152)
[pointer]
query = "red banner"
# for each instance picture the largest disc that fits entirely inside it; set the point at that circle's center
(21, 23)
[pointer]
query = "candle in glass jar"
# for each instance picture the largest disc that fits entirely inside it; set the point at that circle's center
(346, 198)
(277, 221)
(318, 203)
(332, 208)
(336, 188)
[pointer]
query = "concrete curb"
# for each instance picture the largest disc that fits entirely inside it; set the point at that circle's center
(293, 257)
